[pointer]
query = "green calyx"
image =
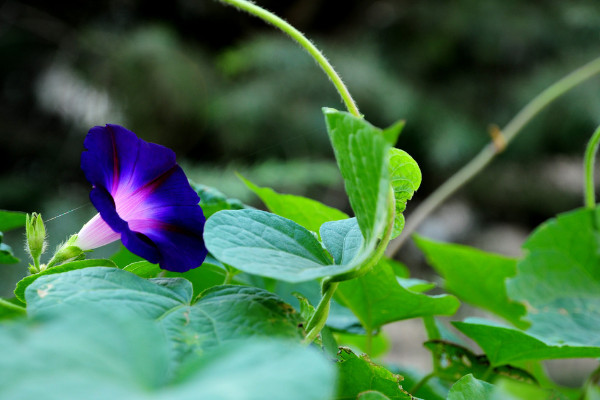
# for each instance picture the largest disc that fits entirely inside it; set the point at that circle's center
(66, 252)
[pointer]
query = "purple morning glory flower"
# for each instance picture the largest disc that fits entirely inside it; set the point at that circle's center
(143, 198)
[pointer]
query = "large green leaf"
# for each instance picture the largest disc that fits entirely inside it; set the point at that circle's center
(222, 314)
(306, 212)
(342, 239)
(359, 374)
(377, 299)
(559, 280)
(470, 388)
(70, 266)
(112, 355)
(11, 220)
(260, 370)
(475, 276)
(361, 151)
(504, 345)
(266, 244)
(405, 177)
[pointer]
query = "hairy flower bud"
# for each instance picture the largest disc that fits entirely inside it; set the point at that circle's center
(36, 237)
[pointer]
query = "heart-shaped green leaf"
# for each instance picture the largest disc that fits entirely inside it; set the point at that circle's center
(266, 244)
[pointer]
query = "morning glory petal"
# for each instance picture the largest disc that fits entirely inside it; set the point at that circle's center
(143, 195)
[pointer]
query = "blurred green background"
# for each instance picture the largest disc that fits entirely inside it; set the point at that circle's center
(229, 93)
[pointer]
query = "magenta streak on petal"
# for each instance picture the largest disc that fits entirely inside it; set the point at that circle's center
(116, 172)
(131, 205)
(95, 233)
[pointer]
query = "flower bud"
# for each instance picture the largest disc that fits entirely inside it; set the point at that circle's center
(36, 237)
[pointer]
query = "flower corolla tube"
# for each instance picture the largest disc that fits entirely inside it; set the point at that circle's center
(143, 198)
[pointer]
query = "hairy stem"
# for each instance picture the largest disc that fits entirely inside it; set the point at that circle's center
(481, 160)
(588, 163)
(295, 34)
(319, 318)
(317, 322)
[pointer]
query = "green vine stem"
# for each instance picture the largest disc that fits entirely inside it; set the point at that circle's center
(295, 34)
(319, 318)
(481, 160)
(329, 286)
(588, 164)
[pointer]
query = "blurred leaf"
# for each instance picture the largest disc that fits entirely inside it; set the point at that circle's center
(222, 314)
(212, 200)
(504, 345)
(470, 388)
(85, 354)
(475, 276)
(257, 370)
(342, 239)
(70, 266)
(11, 220)
(111, 355)
(593, 393)
(451, 362)
(6, 253)
(377, 299)
(405, 177)
(559, 280)
(359, 374)
(306, 212)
